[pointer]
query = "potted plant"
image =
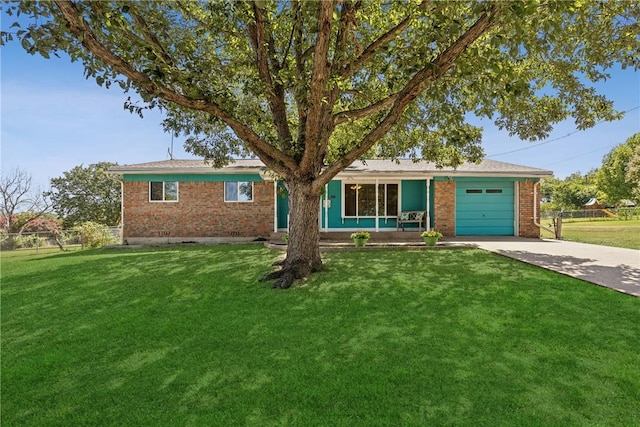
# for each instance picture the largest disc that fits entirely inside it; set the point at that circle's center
(431, 237)
(360, 238)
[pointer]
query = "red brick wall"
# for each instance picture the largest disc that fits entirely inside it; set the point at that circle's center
(445, 207)
(526, 227)
(200, 212)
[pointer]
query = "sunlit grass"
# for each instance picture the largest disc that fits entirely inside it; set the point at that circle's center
(188, 336)
(617, 233)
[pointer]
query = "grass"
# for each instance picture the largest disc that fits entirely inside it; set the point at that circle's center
(187, 336)
(621, 234)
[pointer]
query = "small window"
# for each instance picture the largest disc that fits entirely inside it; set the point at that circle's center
(474, 191)
(494, 191)
(163, 191)
(238, 191)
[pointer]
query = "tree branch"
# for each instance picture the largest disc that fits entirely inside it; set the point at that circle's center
(299, 91)
(346, 24)
(318, 90)
(151, 38)
(373, 48)
(345, 116)
(286, 51)
(340, 57)
(412, 89)
(262, 42)
(378, 44)
(274, 158)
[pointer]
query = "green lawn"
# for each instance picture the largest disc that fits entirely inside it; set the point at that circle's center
(187, 336)
(622, 234)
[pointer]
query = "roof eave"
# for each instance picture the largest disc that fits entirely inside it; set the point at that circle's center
(203, 171)
(426, 174)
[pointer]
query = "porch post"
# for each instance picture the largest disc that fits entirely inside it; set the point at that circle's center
(320, 214)
(275, 206)
(326, 207)
(377, 208)
(428, 220)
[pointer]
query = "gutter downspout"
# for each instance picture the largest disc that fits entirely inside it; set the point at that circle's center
(428, 220)
(535, 209)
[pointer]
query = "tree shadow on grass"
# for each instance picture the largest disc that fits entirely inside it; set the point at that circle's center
(168, 335)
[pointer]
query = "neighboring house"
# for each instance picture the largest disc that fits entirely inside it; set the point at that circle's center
(188, 200)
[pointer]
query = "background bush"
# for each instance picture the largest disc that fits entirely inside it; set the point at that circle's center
(29, 241)
(94, 235)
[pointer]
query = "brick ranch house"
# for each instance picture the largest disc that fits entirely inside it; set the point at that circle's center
(188, 200)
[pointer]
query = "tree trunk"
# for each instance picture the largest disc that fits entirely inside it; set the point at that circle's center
(303, 251)
(56, 238)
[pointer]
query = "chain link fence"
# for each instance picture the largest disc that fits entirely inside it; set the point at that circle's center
(48, 239)
(625, 214)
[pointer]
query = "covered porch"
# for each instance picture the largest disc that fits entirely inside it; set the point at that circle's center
(365, 203)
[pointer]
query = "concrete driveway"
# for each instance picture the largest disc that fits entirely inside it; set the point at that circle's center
(614, 268)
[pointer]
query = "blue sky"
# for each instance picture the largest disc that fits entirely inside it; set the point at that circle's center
(52, 120)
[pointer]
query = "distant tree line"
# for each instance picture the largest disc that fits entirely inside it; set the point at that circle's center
(613, 184)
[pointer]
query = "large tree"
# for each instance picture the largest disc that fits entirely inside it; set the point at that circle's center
(309, 87)
(633, 172)
(87, 193)
(618, 177)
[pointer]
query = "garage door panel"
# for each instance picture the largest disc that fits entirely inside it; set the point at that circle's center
(496, 206)
(485, 208)
(485, 216)
(486, 225)
(486, 231)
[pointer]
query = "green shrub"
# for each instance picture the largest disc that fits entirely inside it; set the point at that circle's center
(29, 241)
(628, 213)
(94, 235)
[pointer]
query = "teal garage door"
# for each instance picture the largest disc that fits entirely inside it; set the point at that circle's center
(484, 208)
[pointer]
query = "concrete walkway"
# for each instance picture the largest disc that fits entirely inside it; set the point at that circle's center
(614, 268)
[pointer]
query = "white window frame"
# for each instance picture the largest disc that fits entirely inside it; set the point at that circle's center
(384, 214)
(238, 191)
(164, 192)
(370, 182)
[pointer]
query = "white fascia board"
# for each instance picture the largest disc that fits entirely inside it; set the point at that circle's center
(493, 174)
(430, 175)
(380, 175)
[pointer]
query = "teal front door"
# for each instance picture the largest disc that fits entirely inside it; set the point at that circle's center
(485, 208)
